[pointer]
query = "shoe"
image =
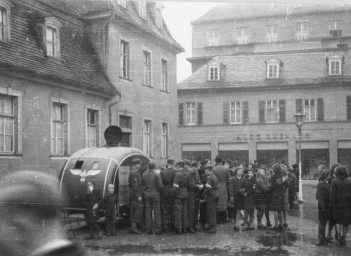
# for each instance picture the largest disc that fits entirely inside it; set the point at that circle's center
(260, 227)
(342, 240)
(149, 232)
(211, 230)
(191, 230)
(178, 231)
(330, 239)
(320, 243)
(159, 233)
(269, 225)
(133, 229)
(236, 228)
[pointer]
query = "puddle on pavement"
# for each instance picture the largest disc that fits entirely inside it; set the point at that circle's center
(286, 238)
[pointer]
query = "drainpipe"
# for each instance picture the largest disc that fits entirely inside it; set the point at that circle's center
(110, 109)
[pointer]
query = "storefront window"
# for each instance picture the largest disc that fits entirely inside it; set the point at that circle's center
(344, 156)
(271, 157)
(196, 155)
(311, 159)
(238, 156)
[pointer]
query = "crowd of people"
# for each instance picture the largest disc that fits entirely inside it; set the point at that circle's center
(187, 197)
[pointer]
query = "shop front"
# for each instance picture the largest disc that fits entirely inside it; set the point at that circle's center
(196, 152)
(344, 152)
(235, 152)
(269, 153)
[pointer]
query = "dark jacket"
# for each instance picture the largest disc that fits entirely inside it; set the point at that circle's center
(134, 181)
(167, 177)
(181, 180)
(151, 183)
(91, 216)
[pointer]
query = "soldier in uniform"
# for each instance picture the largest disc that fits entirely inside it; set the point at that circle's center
(211, 192)
(180, 186)
(194, 184)
(152, 184)
(135, 196)
(167, 197)
(109, 202)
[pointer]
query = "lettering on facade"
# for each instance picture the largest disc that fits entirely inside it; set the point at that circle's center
(270, 137)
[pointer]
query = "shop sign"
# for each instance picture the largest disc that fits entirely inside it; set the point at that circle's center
(270, 137)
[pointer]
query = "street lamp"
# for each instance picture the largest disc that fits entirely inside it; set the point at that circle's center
(299, 116)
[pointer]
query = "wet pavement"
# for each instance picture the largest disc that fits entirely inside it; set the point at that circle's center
(299, 239)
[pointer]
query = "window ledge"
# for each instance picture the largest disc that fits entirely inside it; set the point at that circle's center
(165, 91)
(6, 41)
(126, 79)
(146, 85)
(55, 60)
(59, 157)
(8, 156)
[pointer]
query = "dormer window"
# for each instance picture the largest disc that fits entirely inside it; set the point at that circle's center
(213, 73)
(159, 21)
(4, 20)
(335, 65)
(142, 9)
(50, 28)
(273, 68)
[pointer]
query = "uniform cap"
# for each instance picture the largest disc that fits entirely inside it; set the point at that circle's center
(171, 160)
(194, 163)
(151, 165)
(218, 159)
(136, 161)
(208, 166)
(180, 163)
(187, 162)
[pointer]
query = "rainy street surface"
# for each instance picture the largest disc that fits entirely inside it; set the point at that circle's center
(299, 239)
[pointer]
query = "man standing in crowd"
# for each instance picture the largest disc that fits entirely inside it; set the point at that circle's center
(152, 184)
(167, 198)
(292, 189)
(135, 196)
(194, 184)
(180, 185)
(211, 193)
(236, 192)
(92, 213)
(223, 175)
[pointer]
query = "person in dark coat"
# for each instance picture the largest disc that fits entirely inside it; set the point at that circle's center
(167, 197)
(249, 200)
(135, 196)
(262, 198)
(340, 203)
(203, 180)
(331, 223)
(92, 213)
(152, 184)
(236, 192)
(180, 187)
(211, 191)
(109, 203)
(324, 213)
(279, 197)
(292, 189)
(223, 175)
(194, 185)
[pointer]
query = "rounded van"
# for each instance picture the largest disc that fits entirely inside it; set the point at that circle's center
(102, 165)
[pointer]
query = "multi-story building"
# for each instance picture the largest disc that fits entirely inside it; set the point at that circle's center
(253, 70)
(139, 56)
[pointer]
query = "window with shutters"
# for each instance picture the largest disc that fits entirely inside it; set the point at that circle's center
(335, 65)
(147, 68)
(272, 111)
(310, 110)
(190, 113)
(271, 34)
(92, 128)
(301, 31)
(125, 123)
(164, 140)
(235, 112)
(348, 108)
(59, 133)
(335, 28)
(212, 37)
(213, 73)
(147, 140)
(8, 124)
(124, 60)
(242, 35)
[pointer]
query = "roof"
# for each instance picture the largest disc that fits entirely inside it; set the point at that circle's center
(229, 12)
(116, 153)
(78, 66)
(85, 9)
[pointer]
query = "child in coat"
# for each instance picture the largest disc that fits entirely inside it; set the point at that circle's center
(109, 203)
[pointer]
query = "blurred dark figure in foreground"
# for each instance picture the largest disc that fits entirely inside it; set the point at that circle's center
(29, 216)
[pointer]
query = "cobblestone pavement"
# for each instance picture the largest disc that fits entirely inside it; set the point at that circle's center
(300, 239)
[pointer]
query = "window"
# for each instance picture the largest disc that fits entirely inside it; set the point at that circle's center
(122, 3)
(8, 124)
(59, 136)
(335, 67)
(212, 37)
(164, 140)
(310, 110)
(142, 9)
(272, 111)
(235, 112)
(92, 128)
(213, 73)
(147, 138)
(164, 76)
(124, 60)
(335, 28)
(301, 31)
(242, 35)
(51, 42)
(5, 20)
(147, 68)
(159, 20)
(125, 122)
(271, 34)
(273, 70)
(190, 113)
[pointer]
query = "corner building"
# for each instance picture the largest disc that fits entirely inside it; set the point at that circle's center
(252, 73)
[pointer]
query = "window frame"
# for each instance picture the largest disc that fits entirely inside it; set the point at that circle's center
(147, 68)
(159, 17)
(213, 77)
(267, 108)
(308, 114)
(164, 140)
(52, 23)
(242, 35)
(240, 109)
(97, 124)
(212, 37)
(270, 75)
(6, 27)
(333, 27)
(147, 134)
(65, 129)
(142, 9)
(124, 63)
(128, 130)
(271, 37)
(331, 70)
(190, 113)
(300, 33)
(164, 76)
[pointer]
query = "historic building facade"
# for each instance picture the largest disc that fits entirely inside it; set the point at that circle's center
(255, 72)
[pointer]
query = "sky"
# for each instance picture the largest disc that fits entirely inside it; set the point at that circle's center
(178, 16)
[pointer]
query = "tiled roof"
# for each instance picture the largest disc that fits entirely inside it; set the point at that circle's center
(85, 8)
(252, 10)
(78, 66)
